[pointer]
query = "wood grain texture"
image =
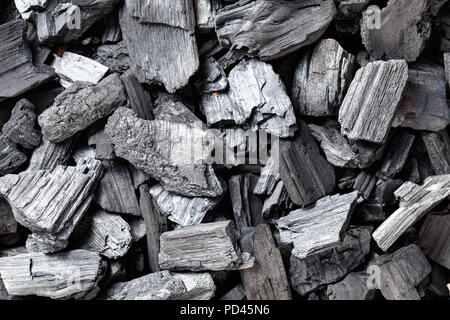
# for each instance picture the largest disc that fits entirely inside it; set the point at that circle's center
(434, 238)
(437, 145)
(49, 155)
(415, 202)
(271, 29)
(11, 158)
(398, 152)
(371, 101)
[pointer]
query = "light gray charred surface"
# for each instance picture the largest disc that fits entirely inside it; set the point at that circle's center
(207, 246)
(371, 101)
(268, 178)
(352, 287)
(434, 239)
(105, 233)
(164, 285)
(64, 275)
(267, 279)
(415, 202)
(163, 150)
(103, 149)
(20, 128)
(331, 265)
(322, 78)
(18, 74)
(49, 155)
(256, 96)
(11, 159)
(424, 104)
(319, 227)
(401, 272)
(115, 191)
(79, 106)
(161, 41)
(404, 29)
(211, 78)
(438, 149)
(306, 175)
(184, 211)
(51, 202)
(271, 29)
(114, 56)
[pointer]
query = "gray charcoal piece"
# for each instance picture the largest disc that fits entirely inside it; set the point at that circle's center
(8, 224)
(11, 159)
(404, 28)
(247, 207)
(434, 239)
(18, 74)
(369, 106)
(271, 29)
(211, 77)
(255, 92)
(267, 279)
(20, 128)
(170, 107)
(72, 67)
(114, 56)
(306, 175)
(156, 224)
(103, 149)
(138, 229)
(331, 265)
(276, 200)
(115, 190)
(184, 211)
(59, 23)
(105, 233)
(237, 293)
(164, 285)
(49, 155)
(268, 178)
(161, 41)
(51, 202)
(79, 106)
(398, 152)
(424, 104)
(415, 202)
(205, 13)
(172, 153)
(352, 287)
(140, 100)
(64, 275)
(338, 151)
(319, 227)
(322, 78)
(437, 145)
(401, 272)
(206, 246)
(364, 183)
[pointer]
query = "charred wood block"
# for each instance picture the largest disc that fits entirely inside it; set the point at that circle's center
(20, 127)
(114, 56)
(331, 265)
(207, 246)
(237, 293)
(434, 238)
(170, 107)
(11, 159)
(277, 27)
(51, 203)
(401, 272)
(322, 78)
(115, 191)
(415, 202)
(398, 152)
(8, 224)
(164, 285)
(371, 101)
(438, 149)
(156, 224)
(17, 72)
(364, 183)
(63, 275)
(398, 35)
(268, 179)
(140, 100)
(166, 151)
(267, 279)
(79, 106)
(211, 78)
(105, 233)
(184, 211)
(352, 287)
(155, 35)
(424, 104)
(247, 208)
(255, 91)
(103, 149)
(306, 175)
(49, 155)
(319, 227)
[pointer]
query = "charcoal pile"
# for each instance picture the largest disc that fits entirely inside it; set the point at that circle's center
(224, 149)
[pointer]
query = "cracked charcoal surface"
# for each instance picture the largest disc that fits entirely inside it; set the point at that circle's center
(224, 149)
